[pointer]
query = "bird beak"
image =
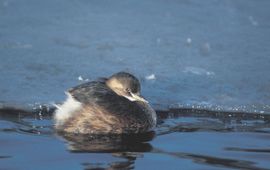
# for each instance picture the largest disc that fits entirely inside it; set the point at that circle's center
(138, 98)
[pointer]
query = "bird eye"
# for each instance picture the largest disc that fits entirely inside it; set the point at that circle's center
(128, 90)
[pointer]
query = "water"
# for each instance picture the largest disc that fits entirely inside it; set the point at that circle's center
(190, 56)
(183, 139)
(204, 53)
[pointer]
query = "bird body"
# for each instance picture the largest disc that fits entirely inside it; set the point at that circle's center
(112, 105)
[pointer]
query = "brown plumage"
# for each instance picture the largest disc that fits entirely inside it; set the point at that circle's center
(112, 105)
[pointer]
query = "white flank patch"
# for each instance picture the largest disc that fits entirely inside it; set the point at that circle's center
(66, 110)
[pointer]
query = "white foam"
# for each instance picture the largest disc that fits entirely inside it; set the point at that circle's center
(189, 40)
(150, 77)
(198, 71)
(66, 110)
(80, 78)
(253, 21)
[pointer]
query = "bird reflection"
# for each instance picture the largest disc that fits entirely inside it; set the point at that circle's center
(128, 147)
(108, 143)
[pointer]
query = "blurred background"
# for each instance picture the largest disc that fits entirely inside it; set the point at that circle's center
(204, 54)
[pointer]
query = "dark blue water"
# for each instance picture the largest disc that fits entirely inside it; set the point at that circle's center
(183, 139)
(189, 55)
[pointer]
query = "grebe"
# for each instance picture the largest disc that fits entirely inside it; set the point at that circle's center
(107, 106)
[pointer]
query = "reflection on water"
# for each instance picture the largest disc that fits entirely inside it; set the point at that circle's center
(128, 147)
(108, 143)
(183, 137)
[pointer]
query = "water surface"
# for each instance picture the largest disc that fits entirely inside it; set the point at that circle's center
(189, 55)
(211, 54)
(183, 139)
